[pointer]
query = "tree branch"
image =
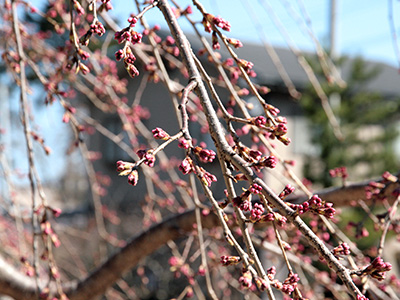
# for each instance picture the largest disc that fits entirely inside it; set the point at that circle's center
(343, 196)
(14, 284)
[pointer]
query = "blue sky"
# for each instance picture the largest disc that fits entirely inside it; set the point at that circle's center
(362, 25)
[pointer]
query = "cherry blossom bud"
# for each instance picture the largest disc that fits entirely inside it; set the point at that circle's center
(208, 178)
(255, 154)
(389, 177)
(219, 22)
(78, 7)
(160, 134)
(205, 155)
(119, 54)
(230, 260)
(256, 212)
(271, 272)
(342, 249)
(255, 189)
(285, 140)
(183, 143)
(235, 43)
(267, 218)
(269, 162)
(186, 166)
(132, 71)
(132, 21)
(133, 177)
(188, 10)
(246, 280)
(262, 284)
(272, 109)
(286, 191)
(246, 65)
(83, 54)
(56, 212)
(83, 68)
(259, 121)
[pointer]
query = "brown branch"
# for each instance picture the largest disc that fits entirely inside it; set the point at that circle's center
(14, 284)
(343, 196)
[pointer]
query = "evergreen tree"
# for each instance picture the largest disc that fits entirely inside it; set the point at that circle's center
(367, 120)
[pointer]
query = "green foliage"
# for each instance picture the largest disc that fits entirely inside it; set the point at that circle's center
(367, 120)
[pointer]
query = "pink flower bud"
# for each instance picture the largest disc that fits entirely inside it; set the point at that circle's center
(160, 134)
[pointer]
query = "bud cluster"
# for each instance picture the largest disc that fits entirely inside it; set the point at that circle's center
(276, 129)
(243, 201)
(187, 167)
(128, 36)
(147, 156)
(160, 134)
(286, 191)
(235, 43)
(209, 19)
(246, 280)
(377, 269)
(183, 143)
(126, 168)
(246, 65)
(316, 205)
(287, 286)
(256, 212)
(266, 162)
(204, 155)
(230, 260)
(259, 121)
(342, 249)
(340, 172)
(206, 177)
(95, 28)
(80, 67)
(375, 188)
(272, 109)
(248, 154)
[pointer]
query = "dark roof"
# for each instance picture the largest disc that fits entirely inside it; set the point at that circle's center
(386, 82)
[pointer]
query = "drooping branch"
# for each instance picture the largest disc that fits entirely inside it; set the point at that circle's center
(227, 153)
(17, 285)
(344, 196)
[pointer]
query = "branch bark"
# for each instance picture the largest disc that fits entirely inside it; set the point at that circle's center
(343, 196)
